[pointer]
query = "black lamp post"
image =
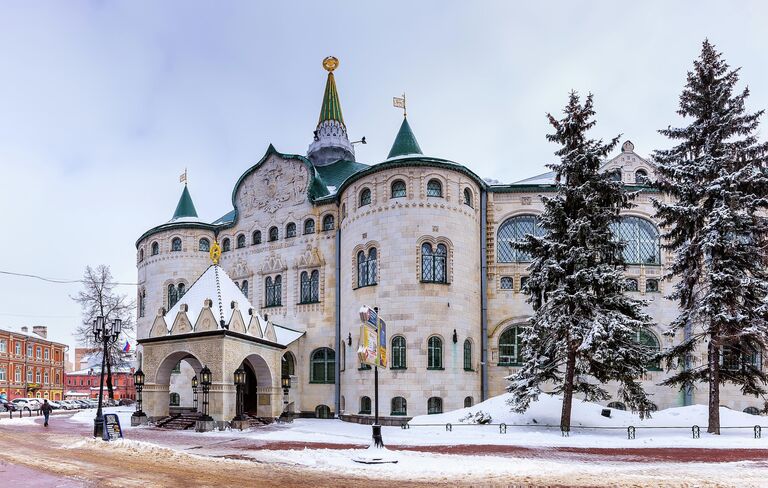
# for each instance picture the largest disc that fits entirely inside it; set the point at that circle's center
(194, 392)
(105, 333)
(205, 382)
(239, 384)
(138, 382)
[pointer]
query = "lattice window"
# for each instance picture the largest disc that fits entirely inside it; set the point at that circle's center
(309, 226)
(322, 368)
(434, 188)
(365, 197)
(506, 283)
(273, 234)
(398, 189)
(204, 245)
(176, 244)
(434, 263)
(399, 354)
(434, 353)
(640, 239)
(513, 230)
(256, 237)
(328, 223)
(650, 343)
(290, 230)
(510, 347)
(467, 197)
(467, 355)
(434, 405)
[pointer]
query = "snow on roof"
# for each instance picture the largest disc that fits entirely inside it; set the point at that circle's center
(547, 178)
(285, 335)
(97, 370)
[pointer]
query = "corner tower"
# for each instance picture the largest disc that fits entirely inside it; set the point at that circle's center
(331, 142)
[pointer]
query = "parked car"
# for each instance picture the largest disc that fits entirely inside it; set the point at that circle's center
(55, 405)
(82, 403)
(27, 403)
(126, 402)
(6, 406)
(70, 405)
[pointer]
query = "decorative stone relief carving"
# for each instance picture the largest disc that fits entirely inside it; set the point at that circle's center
(273, 264)
(311, 258)
(240, 268)
(276, 184)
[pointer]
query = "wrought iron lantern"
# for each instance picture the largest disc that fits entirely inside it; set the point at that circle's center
(194, 391)
(138, 382)
(205, 382)
(239, 384)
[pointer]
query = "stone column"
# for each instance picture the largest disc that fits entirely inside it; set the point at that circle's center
(155, 400)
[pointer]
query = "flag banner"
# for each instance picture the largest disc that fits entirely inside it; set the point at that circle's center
(381, 359)
(398, 102)
(127, 346)
(368, 345)
(183, 177)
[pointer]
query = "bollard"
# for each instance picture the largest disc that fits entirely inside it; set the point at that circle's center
(696, 431)
(449, 427)
(502, 428)
(565, 432)
(758, 432)
(631, 432)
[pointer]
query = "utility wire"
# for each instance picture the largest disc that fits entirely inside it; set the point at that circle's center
(53, 280)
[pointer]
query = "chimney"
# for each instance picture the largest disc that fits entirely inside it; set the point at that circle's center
(41, 330)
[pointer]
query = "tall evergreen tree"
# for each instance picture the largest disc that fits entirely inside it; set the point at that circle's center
(584, 328)
(715, 223)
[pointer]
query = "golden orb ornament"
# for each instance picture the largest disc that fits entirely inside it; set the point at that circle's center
(215, 252)
(330, 63)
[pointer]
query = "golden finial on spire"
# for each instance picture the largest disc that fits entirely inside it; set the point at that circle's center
(215, 252)
(330, 63)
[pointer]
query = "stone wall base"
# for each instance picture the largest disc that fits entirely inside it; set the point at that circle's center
(205, 425)
(368, 419)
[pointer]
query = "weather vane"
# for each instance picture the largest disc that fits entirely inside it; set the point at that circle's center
(183, 177)
(399, 102)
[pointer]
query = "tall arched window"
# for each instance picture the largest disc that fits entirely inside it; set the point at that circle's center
(512, 230)
(290, 230)
(434, 405)
(173, 296)
(204, 245)
(256, 237)
(398, 189)
(314, 286)
(510, 347)
(273, 290)
(366, 268)
(365, 405)
(434, 263)
(244, 288)
(174, 399)
(467, 197)
(141, 254)
(365, 197)
(467, 355)
(155, 248)
(434, 188)
(640, 239)
(322, 367)
(176, 244)
(309, 226)
(434, 353)
(142, 302)
(328, 222)
(650, 343)
(241, 241)
(306, 287)
(182, 289)
(273, 234)
(226, 245)
(399, 406)
(399, 358)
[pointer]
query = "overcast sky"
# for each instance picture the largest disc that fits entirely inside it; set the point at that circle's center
(103, 104)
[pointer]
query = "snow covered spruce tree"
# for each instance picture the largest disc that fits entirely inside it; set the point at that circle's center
(715, 222)
(584, 327)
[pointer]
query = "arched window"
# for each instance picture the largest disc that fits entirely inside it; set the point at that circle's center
(287, 369)
(434, 353)
(173, 296)
(736, 357)
(365, 405)
(309, 287)
(640, 239)
(366, 268)
(641, 177)
(434, 405)
(434, 263)
(365, 197)
(182, 289)
(256, 237)
(631, 284)
(273, 234)
(174, 400)
(323, 412)
(512, 230)
(290, 230)
(226, 245)
(399, 357)
(467, 197)
(328, 222)
(399, 406)
(273, 291)
(241, 241)
(204, 245)
(650, 343)
(510, 347)
(142, 302)
(322, 366)
(507, 283)
(434, 188)
(467, 355)
(175, 244)
(398, 189)
(141, 254)
(651, 286)
(244, 288)
(309, 226)
(752, 410)
(155, 248)
(468, 402)
(314, 282)
(617, 406)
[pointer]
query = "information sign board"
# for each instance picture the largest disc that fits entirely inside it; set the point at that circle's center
(111, 430)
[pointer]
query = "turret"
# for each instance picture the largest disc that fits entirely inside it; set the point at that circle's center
(405, 142)
(331, 142)
(185, 209)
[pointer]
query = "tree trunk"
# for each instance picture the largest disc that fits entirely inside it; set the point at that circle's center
(570, 370)
(109, 375)
(714, 386)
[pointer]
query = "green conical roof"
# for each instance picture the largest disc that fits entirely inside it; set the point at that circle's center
(331, 109)
(405, 142)
(185, 208)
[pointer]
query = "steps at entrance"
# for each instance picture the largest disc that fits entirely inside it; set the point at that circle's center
(182, 421)
(254, 421)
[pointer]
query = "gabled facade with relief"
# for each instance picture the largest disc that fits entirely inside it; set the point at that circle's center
(309, 239)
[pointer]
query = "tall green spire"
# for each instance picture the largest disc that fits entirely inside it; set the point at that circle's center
(331, 109)
(185, 208)
(405, 142)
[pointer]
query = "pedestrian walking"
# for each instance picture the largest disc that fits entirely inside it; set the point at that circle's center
(46, 409)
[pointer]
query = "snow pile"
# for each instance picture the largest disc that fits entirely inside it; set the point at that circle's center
(479, 417)
(123, 413)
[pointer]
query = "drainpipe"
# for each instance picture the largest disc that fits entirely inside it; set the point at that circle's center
(337, 339)
(483, 296)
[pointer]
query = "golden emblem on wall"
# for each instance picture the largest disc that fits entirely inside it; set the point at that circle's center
(330, 63)
(215, 252)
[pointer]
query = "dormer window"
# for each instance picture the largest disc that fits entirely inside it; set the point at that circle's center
(641, 177)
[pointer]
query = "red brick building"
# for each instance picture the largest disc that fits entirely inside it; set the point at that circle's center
(30, 364)
(85, 383)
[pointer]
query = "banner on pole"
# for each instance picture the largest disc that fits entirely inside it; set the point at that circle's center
(368, 345)
(373, 337)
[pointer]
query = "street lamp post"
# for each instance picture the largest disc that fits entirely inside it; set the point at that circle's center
(194, 392)
(205, 382)
(239, 384)
(138, 381)
(105, 333)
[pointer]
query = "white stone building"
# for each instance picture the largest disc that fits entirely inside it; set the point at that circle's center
(312, 238)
